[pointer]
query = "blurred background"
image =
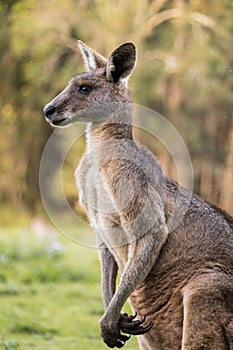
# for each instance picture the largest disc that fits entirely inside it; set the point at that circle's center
(184, 71)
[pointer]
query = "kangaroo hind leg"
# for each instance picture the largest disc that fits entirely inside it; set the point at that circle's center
(208, 314)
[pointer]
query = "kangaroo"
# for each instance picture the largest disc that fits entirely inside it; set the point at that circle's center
(179, 280)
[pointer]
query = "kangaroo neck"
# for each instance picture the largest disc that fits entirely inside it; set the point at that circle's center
(111, 129)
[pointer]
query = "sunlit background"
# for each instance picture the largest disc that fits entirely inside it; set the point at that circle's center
(184, 71)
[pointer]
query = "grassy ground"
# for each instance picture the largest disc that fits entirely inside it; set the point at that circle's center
(50, 294)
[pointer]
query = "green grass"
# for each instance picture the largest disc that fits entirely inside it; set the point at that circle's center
(49, 299)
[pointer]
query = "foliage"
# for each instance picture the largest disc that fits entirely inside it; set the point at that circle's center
(184, 72)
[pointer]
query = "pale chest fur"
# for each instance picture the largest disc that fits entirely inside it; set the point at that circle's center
(87, 180)
(97, 200)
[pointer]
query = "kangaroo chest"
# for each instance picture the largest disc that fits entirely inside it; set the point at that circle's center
(95, 197)
(96, 200)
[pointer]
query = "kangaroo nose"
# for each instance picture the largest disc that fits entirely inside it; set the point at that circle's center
(49, 110)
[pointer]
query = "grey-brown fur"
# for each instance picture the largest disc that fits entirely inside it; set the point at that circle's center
(181, 278)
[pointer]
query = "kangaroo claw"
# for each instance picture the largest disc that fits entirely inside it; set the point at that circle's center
(129, 326)
(141, 330)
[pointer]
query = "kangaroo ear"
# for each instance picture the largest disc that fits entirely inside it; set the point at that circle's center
(121, 62)
(92, 59)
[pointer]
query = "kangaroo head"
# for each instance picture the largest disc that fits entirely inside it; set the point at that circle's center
(104, 82)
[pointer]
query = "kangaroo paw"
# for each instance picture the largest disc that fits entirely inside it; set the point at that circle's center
(129, 325)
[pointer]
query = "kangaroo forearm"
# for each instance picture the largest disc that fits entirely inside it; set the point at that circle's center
(126, 287)
(109, 274)
(140, 263)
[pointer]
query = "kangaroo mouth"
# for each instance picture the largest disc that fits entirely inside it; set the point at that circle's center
(61, 122)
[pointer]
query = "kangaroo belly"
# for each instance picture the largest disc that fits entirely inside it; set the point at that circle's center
(165, 311)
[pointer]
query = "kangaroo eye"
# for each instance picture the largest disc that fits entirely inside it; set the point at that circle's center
(85, 89)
